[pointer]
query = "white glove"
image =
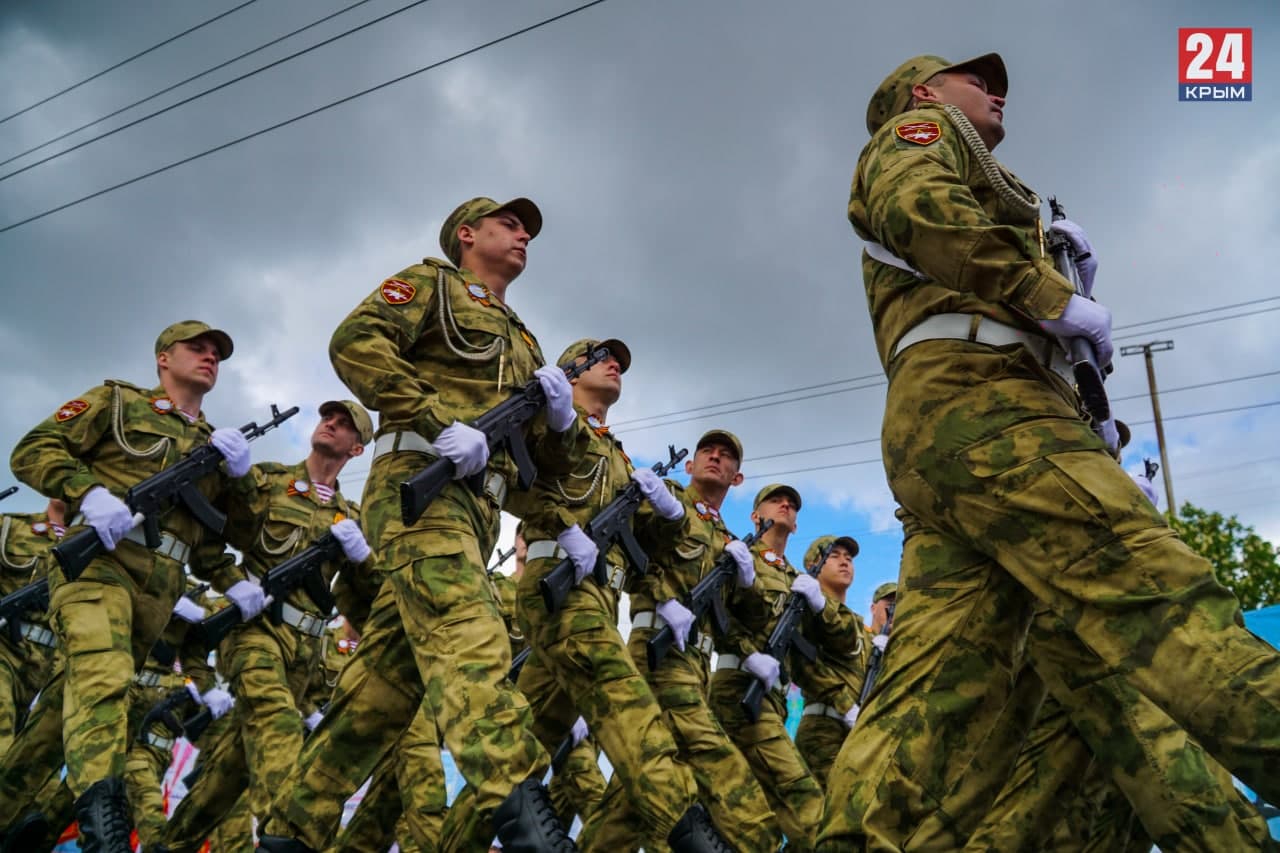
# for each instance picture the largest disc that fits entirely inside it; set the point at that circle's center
(1108, 432)
(1083, 318)
(465, 446)
(581, 550)
(579, 731)
(560, 411)
(851, 716)
(248, 596)
(880, 641)
(809, 587)
(679, 617)
(234, 447)
(187, 610)
(313, 720)
(1086, 261)
(348, 534)
(1148, 488)
(656, 492)
(746, 563)
(764, 667)
(107, 515)
(217, 700)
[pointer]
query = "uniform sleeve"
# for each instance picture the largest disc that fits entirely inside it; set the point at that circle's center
(53, 457)
(927, 215)
(836, 629)
(556, 454)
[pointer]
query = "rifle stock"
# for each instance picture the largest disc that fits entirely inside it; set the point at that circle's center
(1084, 361)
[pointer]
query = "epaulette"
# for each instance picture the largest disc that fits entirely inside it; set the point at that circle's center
(120, 383)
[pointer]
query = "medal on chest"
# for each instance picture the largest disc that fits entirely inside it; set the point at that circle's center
(299, 488)
(40, 528)
(705, 511)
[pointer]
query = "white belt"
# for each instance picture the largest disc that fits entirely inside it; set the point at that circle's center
(495, 486)
(818, 709)
(884, 256)
(38, 634)
(651, 619)
(307, 623)
(959, 327)
(548, 549)
(735, 662)
(158, 741)
(148, 678)
(170, 545)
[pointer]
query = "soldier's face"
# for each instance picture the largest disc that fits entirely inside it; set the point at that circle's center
(602, 381)
(192, 363)
(968, 92)
(880, 613)
(838, 569)
(778, 508)
(336, 435)
(714, 463)
(498, 242)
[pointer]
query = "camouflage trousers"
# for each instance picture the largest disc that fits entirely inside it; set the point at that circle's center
(818, 739)
(222, 782)
(23, 671)
(726, 786)
(580, 666)
(34, 759)
(145, 766)
(793, 793)
(1099, 820)
(434, 634)
(987, 455)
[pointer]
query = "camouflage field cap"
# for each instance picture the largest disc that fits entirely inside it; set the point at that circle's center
(477, 208)
(894, 94)
(884, 591)
(359, 417)
(616, 348)
(187, 330)
(847, 542)
(772, 489)
(720, 436)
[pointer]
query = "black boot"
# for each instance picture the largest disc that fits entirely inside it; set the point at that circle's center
(696, 834)
(526, 822)
(26, 834)
(280, 844)
(103, 813)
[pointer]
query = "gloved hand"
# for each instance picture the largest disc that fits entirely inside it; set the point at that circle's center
(1148, 488)
(579, 731)
(1086, 261)
(679, 617)
(217, 700)
(313, 720)
(560, 411)
(107, 515)
(1083, 318)
(1108, 432)
(234, 447)
(248, 596)
(581, 550)
(851, 716)
(465, 446)
(348, 534)
(880, 641)
(664, 503)
(811, 590)
(764, 667)
(746, 563)
(187, 610)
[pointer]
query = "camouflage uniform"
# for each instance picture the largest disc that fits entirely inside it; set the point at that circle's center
(985, 448)
(726, 785)
(25, 665)
(831, 686)
(426, 348)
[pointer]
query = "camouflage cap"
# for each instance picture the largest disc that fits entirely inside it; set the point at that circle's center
(188, 330)
(720, 436)
(893, 96)
(478, 208)
(816, 547)
(620, 351)
(884, 591)
(773, 489)
(359, 417)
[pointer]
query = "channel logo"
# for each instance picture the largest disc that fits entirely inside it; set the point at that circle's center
(1215, 64)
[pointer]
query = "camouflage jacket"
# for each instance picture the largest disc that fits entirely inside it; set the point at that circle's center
(676, 569)
(835, 677)
(25, 540)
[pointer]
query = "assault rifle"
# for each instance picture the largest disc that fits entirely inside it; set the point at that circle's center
(32, 598)
(1084, 361)
(1151, 468)
(164, 653)
(148, 499)
(609, 525)
(704, 596)
(785, 635)
(165, 712)
(877, 659)
(502, 426)
(301, 571)
(503, 556)
(12, 490)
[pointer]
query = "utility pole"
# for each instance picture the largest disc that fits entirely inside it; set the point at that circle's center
(1147, 349)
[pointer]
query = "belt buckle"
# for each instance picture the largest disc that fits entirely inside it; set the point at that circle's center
(495, 486)
(705, 644)
(617, 577)
(307, 625)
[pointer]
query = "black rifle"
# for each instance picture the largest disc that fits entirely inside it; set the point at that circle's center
(502, 426)
(1151, 469)
(164, 653)
(877, 659)
(704, 596)
(32, 598)
(170, 487)
(1084, 361)
(301, 571)
(785, 636)
(611, 524)
(12, 490)
(165, 712)
(503, 556)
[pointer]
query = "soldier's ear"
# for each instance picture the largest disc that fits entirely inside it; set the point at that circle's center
(356, 450)
(688, 467)
(737, 479)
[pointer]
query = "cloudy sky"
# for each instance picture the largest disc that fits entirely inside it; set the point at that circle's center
(692, 161)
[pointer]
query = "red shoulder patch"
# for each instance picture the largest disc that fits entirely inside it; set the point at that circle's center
(69, 410)
(919, 132)
(397, 292)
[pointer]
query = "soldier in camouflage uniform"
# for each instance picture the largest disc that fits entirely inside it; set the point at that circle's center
(90, 450)
(431, 349)
(985, 449)
(833, 682)
(725, 783)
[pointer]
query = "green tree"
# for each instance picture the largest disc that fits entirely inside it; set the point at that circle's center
(1245, 563)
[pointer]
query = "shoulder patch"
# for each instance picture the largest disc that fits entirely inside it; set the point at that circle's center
(397, 292)
(69, 410)
(919, 132)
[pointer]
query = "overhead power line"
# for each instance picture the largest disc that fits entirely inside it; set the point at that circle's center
(126, 61)
(1204, 322)
(286, 122)
(748, 399)
(1194, 314)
